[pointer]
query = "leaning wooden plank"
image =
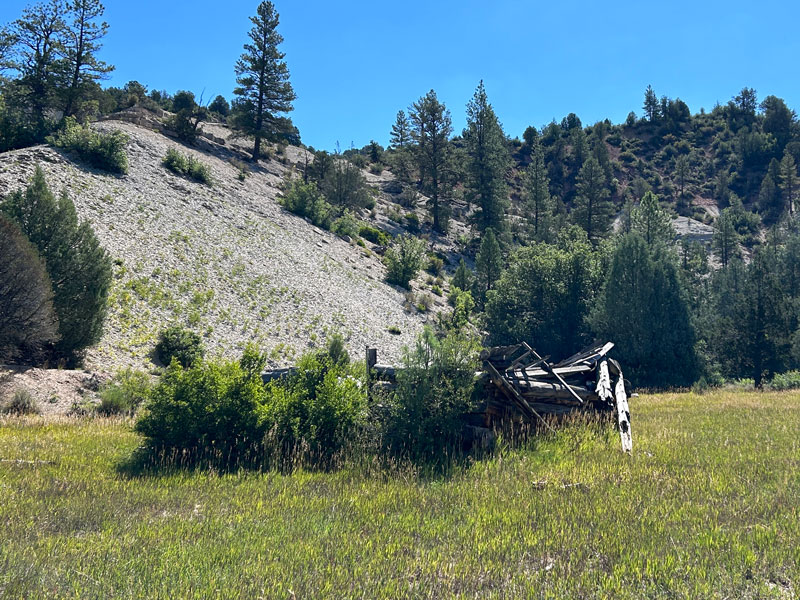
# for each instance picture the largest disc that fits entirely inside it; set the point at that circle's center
(603, 387)
(549, 369)
(587, 354)
(623, 415)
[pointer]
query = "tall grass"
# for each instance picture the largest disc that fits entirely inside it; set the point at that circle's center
(707, 507)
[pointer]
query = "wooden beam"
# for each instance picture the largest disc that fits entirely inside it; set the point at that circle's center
(549, 369)
(515, 397)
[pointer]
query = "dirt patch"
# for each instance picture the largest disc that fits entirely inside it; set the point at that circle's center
(55, 390)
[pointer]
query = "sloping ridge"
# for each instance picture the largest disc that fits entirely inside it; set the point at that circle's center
(225, 260)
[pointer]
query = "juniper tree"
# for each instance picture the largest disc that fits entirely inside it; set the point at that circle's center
(78, 267)
(27, 320)
(263, 90)
(488, 160)
(430, 130)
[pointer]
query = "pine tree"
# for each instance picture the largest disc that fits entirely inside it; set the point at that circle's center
(79, 268)
(27, 320)
(789, 181)
(400, 141)
(681, 173)
(81, 43)
(769, 202)
(488, 265)
(431, 129)
(35, 55)
(644, 310)
(262, 76)
(487, 163)
(462, 278)
(592, 209)
(652, 222)
(539, 203)
(650, 104)
(726, 240)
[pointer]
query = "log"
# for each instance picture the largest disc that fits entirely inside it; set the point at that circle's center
(623, 415)
(603, 388)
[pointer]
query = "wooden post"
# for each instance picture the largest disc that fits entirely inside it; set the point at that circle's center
(623, 415)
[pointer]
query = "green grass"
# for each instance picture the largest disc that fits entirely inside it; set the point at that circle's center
(707, 507)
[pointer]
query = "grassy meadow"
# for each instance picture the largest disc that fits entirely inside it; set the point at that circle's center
(708, 506)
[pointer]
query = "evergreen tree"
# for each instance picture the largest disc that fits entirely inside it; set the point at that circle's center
(650, 104)
(430, 130)
(769, 201)
(644, 310)
(79, 268)
(652, 222)
(778, 120)
(544, 296)
(681, 173)
(400, 141)
(82, 41)
(487, 164)
(262, 76)
(27, 320)
(726, 240)
(35, 56)
(539, 203)
(488, 266)
(462, 278)
(592, 209)
(789, 181)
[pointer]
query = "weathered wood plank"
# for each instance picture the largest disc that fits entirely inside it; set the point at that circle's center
(623, 415)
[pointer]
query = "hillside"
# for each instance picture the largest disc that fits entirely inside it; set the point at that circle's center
(225, 260)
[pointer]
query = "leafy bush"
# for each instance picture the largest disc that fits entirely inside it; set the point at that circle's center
(128, 390)
(21, 403)
(404, 259)
(187, 166)
(786, 381)
(435, 265)
(315, 412)
(102, 150)
(347, 224)
(375, 235)
(183, 345)
(434, 391)
(305, 200)
(209, 407)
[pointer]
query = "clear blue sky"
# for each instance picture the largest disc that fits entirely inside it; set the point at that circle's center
(355, 64)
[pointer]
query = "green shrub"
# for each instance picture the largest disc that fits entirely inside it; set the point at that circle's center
(209, 407)
(375, 235)
(102, 150)
(376, 168)
(313, 414)
(434, 391)
(403, 260)
(305, 200)
(346, 225)
(186, 166)
(123, 394)
(786, 381)
(183, 345)
(21, 403)
(412, 222)
(435, 266)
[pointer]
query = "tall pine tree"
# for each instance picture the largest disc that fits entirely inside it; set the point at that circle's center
(488, 161)
(592, 209)
(263, 90)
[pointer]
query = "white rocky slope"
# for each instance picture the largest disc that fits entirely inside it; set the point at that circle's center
(225, 260)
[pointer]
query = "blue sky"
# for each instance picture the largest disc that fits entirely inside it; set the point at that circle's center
(355, 64)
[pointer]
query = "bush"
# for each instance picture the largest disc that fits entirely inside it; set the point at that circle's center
(375, 235)
(102, 150)
(128, 390)
(435, 266)
(312, 415)
(305, 200)
(434, 391)
(183, 345)
(346, 225)
(21, 403)
(786, 381)
(403, 260)
(208, 408)
(187, 166)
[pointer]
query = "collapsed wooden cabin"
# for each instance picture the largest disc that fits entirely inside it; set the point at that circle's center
(522, 385)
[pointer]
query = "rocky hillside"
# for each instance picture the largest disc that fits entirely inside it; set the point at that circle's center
(226, 260)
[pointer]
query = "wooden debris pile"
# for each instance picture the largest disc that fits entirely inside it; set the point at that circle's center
(522, 384)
